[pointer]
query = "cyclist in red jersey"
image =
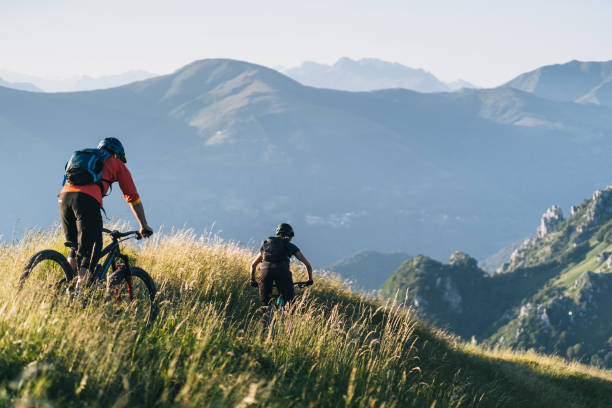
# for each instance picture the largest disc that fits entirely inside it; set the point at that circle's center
(80, 208)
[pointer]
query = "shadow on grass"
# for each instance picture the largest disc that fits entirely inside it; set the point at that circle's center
(507, 383)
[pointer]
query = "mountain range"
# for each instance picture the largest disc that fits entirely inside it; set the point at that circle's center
(23, 86)
(74, 84)
(239, 147)
(369, 74)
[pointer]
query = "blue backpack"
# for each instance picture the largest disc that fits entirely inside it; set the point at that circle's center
(85, 167)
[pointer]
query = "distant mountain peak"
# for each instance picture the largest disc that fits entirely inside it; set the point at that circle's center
(460, 84)
(75, 83)
(368, 74)
(217, 77)
(574, 81)
(222, 69)
(374, 65)
(22, 86)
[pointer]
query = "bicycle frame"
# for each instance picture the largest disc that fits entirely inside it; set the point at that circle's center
(277, 303)
(112, 251)
(280, 302)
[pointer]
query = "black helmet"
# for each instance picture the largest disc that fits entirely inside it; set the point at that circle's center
(114, 146)
(284, 230)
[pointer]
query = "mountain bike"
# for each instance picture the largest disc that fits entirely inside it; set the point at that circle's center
(132, 288)
(276, 304)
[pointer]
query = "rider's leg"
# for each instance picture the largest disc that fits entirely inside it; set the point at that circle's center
(89, 226)
(83, 276)
(284, 281)
(72, 259)
(73, 263)
(68, 220)
(264, 283)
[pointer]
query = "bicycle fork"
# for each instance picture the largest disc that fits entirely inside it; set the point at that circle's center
(124, 272)
(128, 280)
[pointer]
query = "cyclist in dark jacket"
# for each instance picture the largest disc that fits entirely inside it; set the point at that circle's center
(274, 257)
(80, 208)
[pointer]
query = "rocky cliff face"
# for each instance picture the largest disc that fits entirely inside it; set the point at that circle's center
(583, 221)
(450, 294)
(550, 219)
(599, 208)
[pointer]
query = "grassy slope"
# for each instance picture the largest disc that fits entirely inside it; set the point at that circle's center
(207, 347)
(589, 263)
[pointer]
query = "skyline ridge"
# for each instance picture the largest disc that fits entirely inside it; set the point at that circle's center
(16, 78)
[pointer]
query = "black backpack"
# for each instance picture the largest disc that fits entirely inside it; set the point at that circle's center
(274, 250)
(85, 167)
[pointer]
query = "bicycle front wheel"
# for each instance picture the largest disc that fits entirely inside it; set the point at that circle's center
(136, 295)
(46, 271)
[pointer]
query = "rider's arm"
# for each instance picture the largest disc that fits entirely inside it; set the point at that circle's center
(299, 255)
(138, 211)
(126, 183)
(122, 175)
(256, 262)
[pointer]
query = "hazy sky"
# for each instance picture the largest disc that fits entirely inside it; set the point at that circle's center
(485, 42)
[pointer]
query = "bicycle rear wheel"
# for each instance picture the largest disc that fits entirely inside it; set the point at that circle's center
(136, 295)
(46, 270)
(274, 308)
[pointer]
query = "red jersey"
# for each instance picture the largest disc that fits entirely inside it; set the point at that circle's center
(114, 170)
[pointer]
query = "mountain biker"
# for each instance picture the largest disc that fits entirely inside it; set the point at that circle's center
(274, 256)
(80, 207)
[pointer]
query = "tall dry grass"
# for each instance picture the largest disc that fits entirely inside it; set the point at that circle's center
(208, 347)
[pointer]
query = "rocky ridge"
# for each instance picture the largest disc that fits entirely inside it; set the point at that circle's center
(552, 217)
(553, 295)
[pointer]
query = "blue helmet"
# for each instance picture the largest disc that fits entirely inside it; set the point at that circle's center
(113, 146)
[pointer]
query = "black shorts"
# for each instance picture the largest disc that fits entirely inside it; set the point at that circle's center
(278, 273)
(82, 223)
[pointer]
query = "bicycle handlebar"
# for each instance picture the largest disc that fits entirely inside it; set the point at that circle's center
(117, 234)
(298, 284)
